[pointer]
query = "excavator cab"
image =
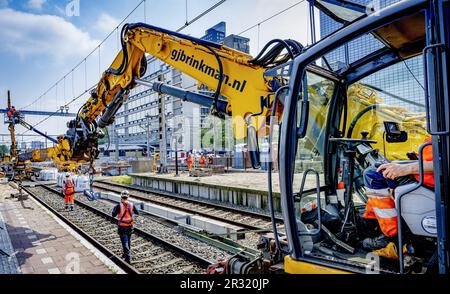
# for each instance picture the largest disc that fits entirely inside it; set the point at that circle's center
(338, 121)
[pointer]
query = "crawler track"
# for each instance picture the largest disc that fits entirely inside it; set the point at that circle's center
(151, 253)
(239, 217)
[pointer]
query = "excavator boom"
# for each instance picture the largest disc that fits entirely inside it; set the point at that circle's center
(207, 62)
(241, 90)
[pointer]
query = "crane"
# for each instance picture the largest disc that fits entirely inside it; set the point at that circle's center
(16, 165)
(20, 161)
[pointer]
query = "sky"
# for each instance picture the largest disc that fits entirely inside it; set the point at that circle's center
(43, 40)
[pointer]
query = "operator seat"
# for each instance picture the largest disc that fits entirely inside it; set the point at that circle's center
(418, 209)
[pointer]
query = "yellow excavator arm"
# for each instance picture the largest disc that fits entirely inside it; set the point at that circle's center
(243, 82)
(54, 153)
(242, 90)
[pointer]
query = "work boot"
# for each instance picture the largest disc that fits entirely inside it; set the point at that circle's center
(390, 251)
(376, 243)
(71, 208)
(66, 207)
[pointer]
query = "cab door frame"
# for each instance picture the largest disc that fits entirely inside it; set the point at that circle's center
(290, 134)
(436, 64)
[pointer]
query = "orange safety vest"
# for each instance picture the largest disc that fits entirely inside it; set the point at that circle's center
(382, 208)
(69, 187)
(428, 179)
(126, 215)
(202, 160)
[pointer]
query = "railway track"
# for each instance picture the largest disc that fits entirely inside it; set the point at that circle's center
(152, 254)
(239, 217)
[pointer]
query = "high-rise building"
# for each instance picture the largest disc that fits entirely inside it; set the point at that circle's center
(402, 80)
(237, 42)
(216, 34)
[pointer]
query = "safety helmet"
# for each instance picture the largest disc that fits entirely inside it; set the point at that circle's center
(67, 175)
(125, 194)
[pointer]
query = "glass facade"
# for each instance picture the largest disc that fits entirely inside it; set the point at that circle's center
(216, 33)
(401, 82)
(238, 43)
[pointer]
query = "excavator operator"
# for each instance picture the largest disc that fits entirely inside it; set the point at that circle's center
(380, 188)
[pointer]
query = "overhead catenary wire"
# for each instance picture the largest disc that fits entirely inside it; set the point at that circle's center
(85, 74)
(73, 85)
(271, 17)
(201, 15)
(259, 35)
(145, 11)
(103, 41)
(107, 37)
(64, 92)
(99, 62)
(87, 56)
(56, 94)
(66, 105)
(187, 19)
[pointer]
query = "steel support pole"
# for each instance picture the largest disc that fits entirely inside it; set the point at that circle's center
(162, 130)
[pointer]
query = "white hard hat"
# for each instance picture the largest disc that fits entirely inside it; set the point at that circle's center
(124, 194)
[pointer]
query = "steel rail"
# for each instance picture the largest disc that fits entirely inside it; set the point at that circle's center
(127, 268)
(99, 184)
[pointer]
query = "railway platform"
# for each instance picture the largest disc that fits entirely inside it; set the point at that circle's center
(247, 188)
(33, 241)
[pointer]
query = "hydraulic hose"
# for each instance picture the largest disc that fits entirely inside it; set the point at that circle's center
(269, 59)
(269, 169)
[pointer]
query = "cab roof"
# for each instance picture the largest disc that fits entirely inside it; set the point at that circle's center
(406, 36)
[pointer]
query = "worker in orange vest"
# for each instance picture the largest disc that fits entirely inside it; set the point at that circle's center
(69, 192)
(190, 162)
(380, 184)
(125, 212)
(11, 112)
(202, 160)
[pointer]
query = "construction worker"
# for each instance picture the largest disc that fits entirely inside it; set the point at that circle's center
(69, 191)
(125, 212)
(190, 162)
(380, 185)
(11, 112)
(202, 160)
